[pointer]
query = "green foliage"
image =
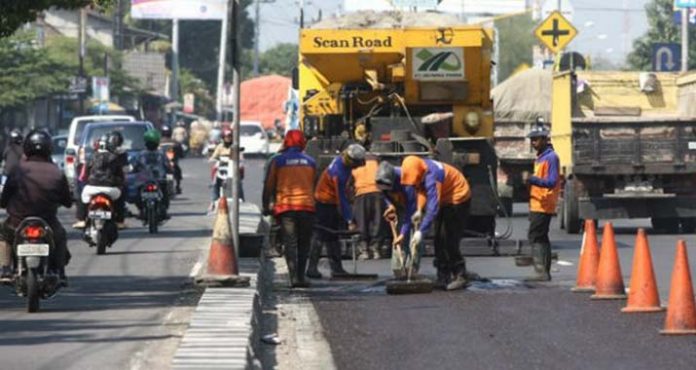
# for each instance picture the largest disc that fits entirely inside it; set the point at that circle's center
(516, 38)
(15, 13)
(204, 103)
(279, 60)
(661, 29)
(28, 72)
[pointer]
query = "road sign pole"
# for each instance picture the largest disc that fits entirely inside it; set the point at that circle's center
(685, 39)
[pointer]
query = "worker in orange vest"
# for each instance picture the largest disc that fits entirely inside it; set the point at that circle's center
(544, 188)
(368, 207)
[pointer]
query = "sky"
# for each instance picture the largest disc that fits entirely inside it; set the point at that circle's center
(606, 28)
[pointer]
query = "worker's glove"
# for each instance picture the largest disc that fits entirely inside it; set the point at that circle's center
(417, 217)
(390, 213)
(416, 238)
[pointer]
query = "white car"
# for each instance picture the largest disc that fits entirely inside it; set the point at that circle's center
(253, 138)
(77, 125)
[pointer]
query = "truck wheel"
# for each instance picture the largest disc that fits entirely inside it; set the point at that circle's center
(571, 218)
(688, 225)
(668, 225)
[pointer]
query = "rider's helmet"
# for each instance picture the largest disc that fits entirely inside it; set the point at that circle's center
(16, 136)
(152, 139)
(38, 143)
(294, 138)
(104, 142)
(166, 131)
(227, 137)
(354, 155)
(115, 140)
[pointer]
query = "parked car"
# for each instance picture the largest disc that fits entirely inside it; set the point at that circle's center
(253, 138)
(77, 126)
(58, 155)
(133, 143)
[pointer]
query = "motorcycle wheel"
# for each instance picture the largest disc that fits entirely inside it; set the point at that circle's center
(152, 219)
(101, 244)
(32, 291)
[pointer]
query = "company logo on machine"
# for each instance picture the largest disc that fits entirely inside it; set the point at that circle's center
(438, 64)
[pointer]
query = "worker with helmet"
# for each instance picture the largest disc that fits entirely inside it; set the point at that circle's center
(222, 155)
(174, 152)
(333, 208)
(447, 196)
(368, 209)
(152, 165)
(13, 153)
(544, 189)
(288, 194)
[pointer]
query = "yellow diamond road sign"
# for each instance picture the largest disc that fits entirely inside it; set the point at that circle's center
(555, 32)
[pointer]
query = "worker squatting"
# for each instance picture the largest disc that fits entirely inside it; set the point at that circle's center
(420, 194)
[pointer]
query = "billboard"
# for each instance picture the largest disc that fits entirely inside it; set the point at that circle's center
(178, 9)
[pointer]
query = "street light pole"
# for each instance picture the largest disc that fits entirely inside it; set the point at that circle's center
(175, 59)
(234, 46)
(221, 66)
(81, 35)
(684, 39)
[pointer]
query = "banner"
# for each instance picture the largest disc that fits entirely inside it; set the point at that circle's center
(178, 9)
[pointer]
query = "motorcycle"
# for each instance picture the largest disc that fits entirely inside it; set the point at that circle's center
(33, 246)
(100, 228)
(151, 198)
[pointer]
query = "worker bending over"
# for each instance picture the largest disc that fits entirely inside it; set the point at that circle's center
(368, 208)
(333, 208)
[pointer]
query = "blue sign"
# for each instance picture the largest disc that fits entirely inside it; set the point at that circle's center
(691, 18)
(685, 3)
(666, 57)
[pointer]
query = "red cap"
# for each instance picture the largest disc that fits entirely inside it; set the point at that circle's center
(294, 138)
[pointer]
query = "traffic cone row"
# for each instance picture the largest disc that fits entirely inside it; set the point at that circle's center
(600, 272)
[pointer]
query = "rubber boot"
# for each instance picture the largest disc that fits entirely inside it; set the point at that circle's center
(334, 251)
(541, 254)
(291, 261)
(300, 281)
(460, 278)
(314, 255)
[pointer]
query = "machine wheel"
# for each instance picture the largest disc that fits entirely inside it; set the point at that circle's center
(32, 290)
(152, 219)
(668, 225)
(571, 218)
(688, 225)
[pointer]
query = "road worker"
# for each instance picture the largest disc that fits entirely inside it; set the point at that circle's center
(544, 188)
(333, 208)
(288, 194)
(368, 208)
(447, 196)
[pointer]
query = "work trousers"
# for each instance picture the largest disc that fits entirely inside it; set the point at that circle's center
(450, 225)
(296, 234)
(367, 210)
(539, 228)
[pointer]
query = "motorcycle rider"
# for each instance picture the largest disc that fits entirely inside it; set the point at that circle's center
(35, 188)
(104, 174)
(224, 149)
(152, 165)
(177, 154)
(333, 207)
(13, 153)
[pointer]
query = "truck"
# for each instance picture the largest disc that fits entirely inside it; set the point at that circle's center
(404, 89)
(626, 149)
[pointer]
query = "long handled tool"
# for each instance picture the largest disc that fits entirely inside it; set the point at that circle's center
(412, 284)
(347, 236)
(397, 259)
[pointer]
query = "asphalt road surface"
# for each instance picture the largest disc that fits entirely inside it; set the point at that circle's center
(125, 309)
(504, 324)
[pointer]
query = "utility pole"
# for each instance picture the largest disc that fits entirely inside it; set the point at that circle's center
(81, 35)
(236, 80)
(223, 58)
(175, 60)
(301, 14)
(257, 33)
(685, 39)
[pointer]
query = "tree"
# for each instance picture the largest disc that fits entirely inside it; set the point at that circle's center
(661, 28)
(204, 104)
(15, 13)
(28, 72)
(278, 60)
(516, 38)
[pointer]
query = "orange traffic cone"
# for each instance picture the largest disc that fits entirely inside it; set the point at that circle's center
(589, 260)
(222, 259)
(609, 284)
(681, 310)
(643, 296)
